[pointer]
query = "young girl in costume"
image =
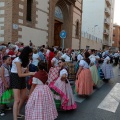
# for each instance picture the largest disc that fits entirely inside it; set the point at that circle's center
(107, 69)
(40, 105)
(62, 90)
(54, 70)
(93, 67)
(6, 95)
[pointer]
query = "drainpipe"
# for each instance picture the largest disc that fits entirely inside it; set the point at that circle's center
(81, 24)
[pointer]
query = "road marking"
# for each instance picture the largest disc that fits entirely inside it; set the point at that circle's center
(112, 100)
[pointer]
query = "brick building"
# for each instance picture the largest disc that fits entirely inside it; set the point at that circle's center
(41, 21)
(116, 37)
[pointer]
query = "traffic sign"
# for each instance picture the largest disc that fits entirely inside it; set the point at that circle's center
(63, 34)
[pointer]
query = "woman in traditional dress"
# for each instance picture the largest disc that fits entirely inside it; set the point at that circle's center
(62, 90)
(5, 96)
(93, 67)
(84, 83)
(69, 64)
(40, 105)
(54, 70)
(107, 69)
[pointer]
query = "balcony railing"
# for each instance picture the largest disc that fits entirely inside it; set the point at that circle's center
(106, 32)
(107, 11)
(90, 37)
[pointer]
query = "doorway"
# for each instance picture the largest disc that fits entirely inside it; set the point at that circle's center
(57, 30)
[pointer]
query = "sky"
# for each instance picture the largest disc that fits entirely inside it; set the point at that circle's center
(117, 12)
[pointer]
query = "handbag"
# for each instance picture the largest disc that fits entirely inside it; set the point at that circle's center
(7, 97)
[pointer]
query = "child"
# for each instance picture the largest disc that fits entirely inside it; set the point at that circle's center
(54, 70)
(107, 69)
(40, 105)
(6, 96)
(62, 90)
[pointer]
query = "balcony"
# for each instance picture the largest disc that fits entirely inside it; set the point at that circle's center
(106, 32)
(107, 11)
(107, 21)
(108, 2)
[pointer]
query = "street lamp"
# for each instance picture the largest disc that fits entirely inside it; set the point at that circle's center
(95, 27)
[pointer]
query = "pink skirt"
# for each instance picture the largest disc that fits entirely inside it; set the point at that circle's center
(84, 84)
(2, 87)
(65, 91)
(40, 105)
(53, 74)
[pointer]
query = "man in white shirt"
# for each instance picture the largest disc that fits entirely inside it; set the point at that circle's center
(92, 56)
(116, 57)
(67, 56)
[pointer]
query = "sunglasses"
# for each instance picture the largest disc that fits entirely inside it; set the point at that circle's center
(59, 62)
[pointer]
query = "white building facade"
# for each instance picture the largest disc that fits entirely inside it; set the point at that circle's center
(97, 23)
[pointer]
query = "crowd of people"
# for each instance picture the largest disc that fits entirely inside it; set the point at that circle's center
(42, 76)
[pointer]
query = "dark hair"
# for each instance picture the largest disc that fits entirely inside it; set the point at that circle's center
(62, 60)
(52, 49)
(24, 56)
(93, 50)
(22, 43)
(43, 46)
(30, 43)
(41, 65)
(42, 50)
(55, 52)
(9, 43)
(5, 57)
(60, 49)
(72, 50)
(87, 54)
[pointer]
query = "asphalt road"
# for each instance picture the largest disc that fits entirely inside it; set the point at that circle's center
(103, 104)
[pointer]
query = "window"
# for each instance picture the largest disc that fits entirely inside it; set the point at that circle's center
(29, 10)
(58, 13)
(114, 35)
(77, 29)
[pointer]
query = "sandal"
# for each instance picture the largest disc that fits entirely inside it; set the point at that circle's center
(20, 116)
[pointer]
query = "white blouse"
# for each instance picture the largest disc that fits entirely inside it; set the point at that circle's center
(93, 58)
(79, 57)
(37, 81)
(14, 67)
(6, 72)
(55, 60)
(84, 64)
(35, 59)
(62, 72)
(66, 57)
